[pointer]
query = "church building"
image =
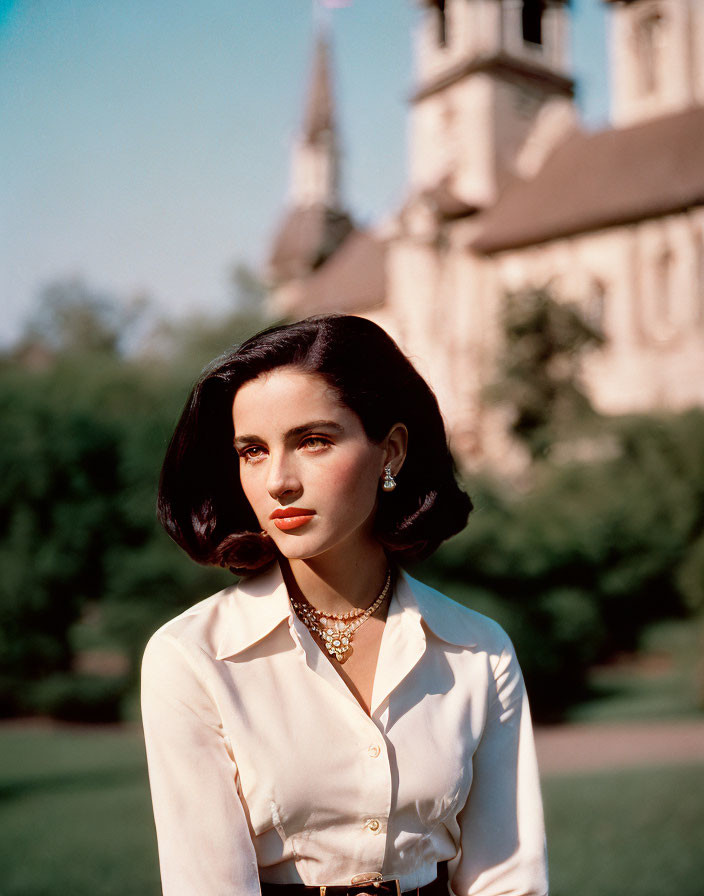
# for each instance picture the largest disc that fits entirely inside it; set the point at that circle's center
(508, 192)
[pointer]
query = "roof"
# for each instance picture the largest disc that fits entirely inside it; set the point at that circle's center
(319, 114)
(353, 279)
(501, 65)
(592, 181)
(308, 235)
(446, 203)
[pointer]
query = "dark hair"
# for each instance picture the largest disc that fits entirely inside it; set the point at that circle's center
(201, 503)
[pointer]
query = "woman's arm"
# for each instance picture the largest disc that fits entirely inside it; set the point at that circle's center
(204, 841)
(502, 832)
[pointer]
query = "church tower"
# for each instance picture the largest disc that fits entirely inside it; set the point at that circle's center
(315, 169)
(315, 223)
(657, 58)
(487, 72)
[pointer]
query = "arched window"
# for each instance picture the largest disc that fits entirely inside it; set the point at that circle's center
(663, 287)
(596, 304)
(532, 21)
(699, 279)
(442, 22)
(648, 35)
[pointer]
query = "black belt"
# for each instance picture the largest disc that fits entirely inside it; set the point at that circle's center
(373, 885)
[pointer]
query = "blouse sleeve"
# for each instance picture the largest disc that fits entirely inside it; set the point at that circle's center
(203, 837)
(502, 834)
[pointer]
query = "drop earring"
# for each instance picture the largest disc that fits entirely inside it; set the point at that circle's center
(388, 483)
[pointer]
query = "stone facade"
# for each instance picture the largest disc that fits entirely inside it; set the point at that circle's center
(656, 58)
(507, 193)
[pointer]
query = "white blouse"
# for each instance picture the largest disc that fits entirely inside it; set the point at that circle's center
(263, 765)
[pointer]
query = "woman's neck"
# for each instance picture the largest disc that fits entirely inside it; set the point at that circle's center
(337, 584)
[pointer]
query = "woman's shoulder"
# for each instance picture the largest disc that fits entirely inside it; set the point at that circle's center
(456, 623)
(229, 620)
(197, 627)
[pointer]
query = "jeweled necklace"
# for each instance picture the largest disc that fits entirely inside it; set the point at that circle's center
(334, 630)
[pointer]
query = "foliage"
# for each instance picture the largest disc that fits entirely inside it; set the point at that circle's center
(538, 376)
(85, 434)
(250, 291)
(659, 682)
(74, 317)
(56, 492)
(75, 697)
(78, 476)
(577, 568)
(690, 577)
(574, 570)
(197, 340)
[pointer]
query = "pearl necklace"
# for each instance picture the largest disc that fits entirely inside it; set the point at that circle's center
(333, 629)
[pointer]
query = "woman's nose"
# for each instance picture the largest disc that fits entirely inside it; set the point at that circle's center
(282, 479)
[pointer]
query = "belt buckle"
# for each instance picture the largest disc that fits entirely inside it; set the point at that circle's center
(379, 886)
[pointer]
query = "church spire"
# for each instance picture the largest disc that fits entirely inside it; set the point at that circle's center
(319, 115)
(315, 224)
(315, 166)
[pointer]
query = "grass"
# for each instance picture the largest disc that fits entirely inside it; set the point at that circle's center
(75, 820)
(637, 832)
(75, 816)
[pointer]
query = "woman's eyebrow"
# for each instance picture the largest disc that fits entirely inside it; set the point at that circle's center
(292, 433)
(315, 424)
(240, 441)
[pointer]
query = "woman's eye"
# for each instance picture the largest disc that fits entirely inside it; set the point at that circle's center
(252, 452)
(315, 443)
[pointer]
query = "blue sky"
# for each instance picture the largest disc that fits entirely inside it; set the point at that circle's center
(145, 143)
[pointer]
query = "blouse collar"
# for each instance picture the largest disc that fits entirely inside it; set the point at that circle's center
(257, 605)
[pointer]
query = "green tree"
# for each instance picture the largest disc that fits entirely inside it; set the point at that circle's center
(249, 290)
(72, 316)
(81, 550)
(538, 376)
(577, 568)
(79, 471)
(188, 344)
(57, 494)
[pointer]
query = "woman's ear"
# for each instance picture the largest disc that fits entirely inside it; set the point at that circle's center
(396, 445)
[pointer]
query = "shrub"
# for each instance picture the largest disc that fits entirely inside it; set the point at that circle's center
(578, 567)
(77, 698)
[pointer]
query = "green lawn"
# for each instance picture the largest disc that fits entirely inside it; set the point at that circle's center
(627, 833)
(75, 816)
(75, 820)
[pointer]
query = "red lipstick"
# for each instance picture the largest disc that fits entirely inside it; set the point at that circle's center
(286, 518)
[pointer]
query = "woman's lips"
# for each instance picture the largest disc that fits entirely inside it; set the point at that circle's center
(287, 518)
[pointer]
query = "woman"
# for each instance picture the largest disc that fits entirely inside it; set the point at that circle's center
(330, 722)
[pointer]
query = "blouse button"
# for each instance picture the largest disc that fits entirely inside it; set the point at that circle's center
(374, 751)
(373, 825)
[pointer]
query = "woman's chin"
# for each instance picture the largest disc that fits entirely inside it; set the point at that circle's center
(295, 547)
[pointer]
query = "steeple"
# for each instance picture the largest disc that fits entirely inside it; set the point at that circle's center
(315, 224)
(315, 170)
(319, 116)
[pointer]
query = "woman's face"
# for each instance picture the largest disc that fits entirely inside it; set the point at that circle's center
(307, 467)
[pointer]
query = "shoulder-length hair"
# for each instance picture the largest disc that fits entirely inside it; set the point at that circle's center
(201, 503)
